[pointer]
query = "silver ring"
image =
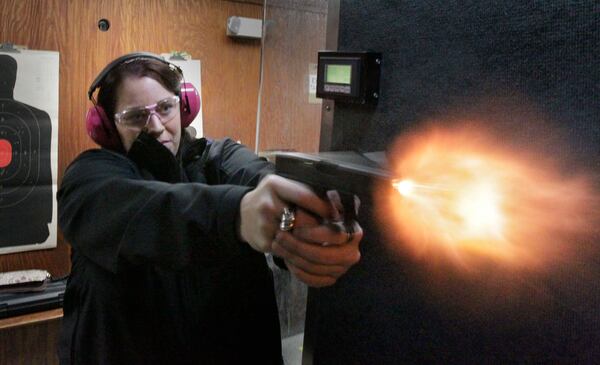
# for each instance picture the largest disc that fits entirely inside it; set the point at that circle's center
(287, 219)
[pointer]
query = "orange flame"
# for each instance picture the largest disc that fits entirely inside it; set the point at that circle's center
(465, 196)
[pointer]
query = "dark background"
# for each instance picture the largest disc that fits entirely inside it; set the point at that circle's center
(439, 57)
(503, 62)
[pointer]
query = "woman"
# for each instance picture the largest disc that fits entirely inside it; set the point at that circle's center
(168, 235)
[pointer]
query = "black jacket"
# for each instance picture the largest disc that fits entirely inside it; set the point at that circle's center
(158, 275)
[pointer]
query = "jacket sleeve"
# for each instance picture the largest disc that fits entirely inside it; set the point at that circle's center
(114, 217)
(229, 162)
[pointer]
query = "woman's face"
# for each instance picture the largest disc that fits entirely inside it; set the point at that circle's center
(136, 92)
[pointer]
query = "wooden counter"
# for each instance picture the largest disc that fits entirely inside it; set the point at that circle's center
(30, 338)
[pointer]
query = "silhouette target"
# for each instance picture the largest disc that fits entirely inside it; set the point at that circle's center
(25, 169)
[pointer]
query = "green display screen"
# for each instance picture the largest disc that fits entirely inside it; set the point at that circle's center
(338, 74)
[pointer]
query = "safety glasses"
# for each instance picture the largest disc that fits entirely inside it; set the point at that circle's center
(137, 118)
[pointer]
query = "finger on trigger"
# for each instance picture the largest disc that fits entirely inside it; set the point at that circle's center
(300, 195)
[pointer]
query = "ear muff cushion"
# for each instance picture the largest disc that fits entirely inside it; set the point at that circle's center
(101, 129)
(190, 103)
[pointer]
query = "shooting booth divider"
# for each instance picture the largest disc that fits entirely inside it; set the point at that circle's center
(441, 58)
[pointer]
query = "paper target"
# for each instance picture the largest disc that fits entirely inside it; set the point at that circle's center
(27, 186)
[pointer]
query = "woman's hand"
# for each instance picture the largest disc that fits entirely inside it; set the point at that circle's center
(260, 209)
(317, 251)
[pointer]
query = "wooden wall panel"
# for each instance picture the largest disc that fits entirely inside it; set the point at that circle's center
(229, 68)
(31, 340)
(295, 32)
(35, 24)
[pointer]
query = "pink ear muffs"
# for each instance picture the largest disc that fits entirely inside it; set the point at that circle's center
(189, 103)
(103, 131)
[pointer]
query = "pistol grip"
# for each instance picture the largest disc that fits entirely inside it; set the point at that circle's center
(350, 207)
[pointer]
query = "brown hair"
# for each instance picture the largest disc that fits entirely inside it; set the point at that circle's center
(162, 72)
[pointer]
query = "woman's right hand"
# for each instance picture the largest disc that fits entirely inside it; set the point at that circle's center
(260, 209)
(317, 251)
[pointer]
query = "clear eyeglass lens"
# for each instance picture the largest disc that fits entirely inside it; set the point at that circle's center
(137, 118)
(167, 108)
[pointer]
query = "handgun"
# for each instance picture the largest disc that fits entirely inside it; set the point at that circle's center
(327, 171)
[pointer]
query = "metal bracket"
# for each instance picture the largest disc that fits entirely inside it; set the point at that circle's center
(9, 48)
(179, 56)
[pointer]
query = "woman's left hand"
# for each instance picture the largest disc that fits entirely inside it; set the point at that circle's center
(318, 254)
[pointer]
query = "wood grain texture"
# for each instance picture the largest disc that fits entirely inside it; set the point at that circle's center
(293, 37)
(315, 6)
(36, 24)
(33, 343)
(30, 319)
(318, 6)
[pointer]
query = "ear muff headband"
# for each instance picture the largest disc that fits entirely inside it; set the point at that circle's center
(104, 132)
(124, 59)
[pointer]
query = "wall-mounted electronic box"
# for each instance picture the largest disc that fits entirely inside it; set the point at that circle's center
(349, 76)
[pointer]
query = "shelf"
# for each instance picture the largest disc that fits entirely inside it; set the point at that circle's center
(30, 318)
